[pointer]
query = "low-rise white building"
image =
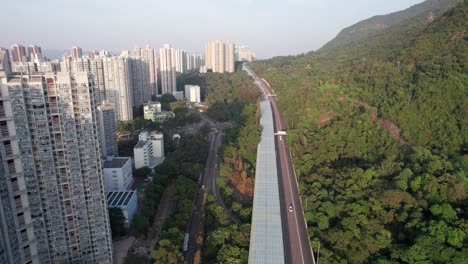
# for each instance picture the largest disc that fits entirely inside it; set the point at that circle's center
(179, 95)
(149, 151)
(150, 110)
(192, 93)
(127, 201)
(118, 174)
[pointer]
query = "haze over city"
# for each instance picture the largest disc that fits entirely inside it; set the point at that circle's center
(299, 25)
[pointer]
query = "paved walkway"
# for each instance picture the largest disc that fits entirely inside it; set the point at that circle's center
(120, 249)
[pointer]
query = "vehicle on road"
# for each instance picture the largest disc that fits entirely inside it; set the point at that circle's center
(186, 240)
(290, 207)
(203, 187)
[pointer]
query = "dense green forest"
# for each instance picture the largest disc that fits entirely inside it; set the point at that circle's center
(232, 98)
(378, 131)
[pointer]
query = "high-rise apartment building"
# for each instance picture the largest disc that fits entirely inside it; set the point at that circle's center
(76, 52)
(35, 53)
(80, 64)
(167, 69)
(93, 54)
(5, 64)
(17, 243)
(96, 66)
(118, 86)
(195, 61)
(137, 52)
(106, 120)
(180, 60)
(149, 53)
(219, 57)
(11, 234)
(18, 53)
(229, 57)
(140, 80)
(51, 144)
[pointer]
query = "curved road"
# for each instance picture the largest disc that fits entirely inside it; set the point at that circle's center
(297, 243)
(208, 180)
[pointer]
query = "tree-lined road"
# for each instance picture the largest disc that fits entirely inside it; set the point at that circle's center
(297, 244)
(208, 180)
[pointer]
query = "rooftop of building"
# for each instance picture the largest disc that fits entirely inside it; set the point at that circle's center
(115, 163)
(119, 198)
(140, 144)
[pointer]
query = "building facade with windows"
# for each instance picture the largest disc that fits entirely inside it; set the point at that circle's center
(149, 151)
(118, 174)
(55, 166)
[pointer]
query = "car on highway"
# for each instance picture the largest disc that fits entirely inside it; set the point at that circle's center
(203, 187)
(290, 207)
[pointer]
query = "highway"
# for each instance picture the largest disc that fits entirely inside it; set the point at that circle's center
(297, 243)
(208, 180)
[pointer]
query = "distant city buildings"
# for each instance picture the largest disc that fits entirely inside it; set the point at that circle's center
(180, 61)
(149, 54)
(167, 66)
(219, 56)
(76, 53)
(244, 53)
(149, 151)
(18, 53)
(195, 61)
(192, 93)
(35, 53)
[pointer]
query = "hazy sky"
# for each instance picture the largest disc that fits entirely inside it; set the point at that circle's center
(269, 27)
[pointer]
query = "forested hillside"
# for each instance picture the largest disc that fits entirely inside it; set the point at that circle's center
(370, 193)
(362, 32)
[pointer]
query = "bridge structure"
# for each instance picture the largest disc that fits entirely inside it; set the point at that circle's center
(266, 236)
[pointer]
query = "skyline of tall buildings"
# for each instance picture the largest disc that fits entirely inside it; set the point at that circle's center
(57, 123)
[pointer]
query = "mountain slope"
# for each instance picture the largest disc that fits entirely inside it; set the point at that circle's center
(355, 34)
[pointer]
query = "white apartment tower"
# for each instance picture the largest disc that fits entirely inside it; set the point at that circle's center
(18, 53)
(118, 86)
(76, 52)
(229, 57)
(53, 159)
(219, 57)
(35, 53)
(140, 74)
(96, 67)
(167, 69)
(149, 54)
(180, 61)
